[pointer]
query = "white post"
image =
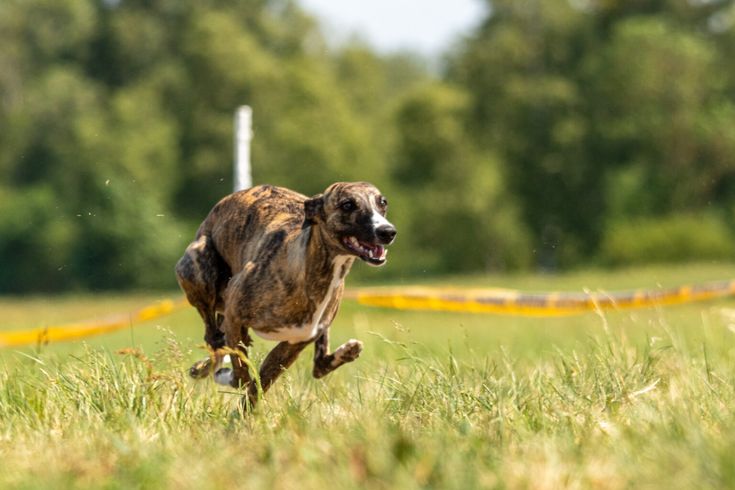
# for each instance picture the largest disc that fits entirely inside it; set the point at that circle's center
(243, 135)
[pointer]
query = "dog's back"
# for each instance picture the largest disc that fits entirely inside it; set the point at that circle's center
(245, 225)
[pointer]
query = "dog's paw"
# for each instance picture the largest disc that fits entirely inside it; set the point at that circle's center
(201, 369)
(223, 376)
(348, 352)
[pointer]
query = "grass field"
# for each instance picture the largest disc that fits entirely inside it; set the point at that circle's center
(636, 399)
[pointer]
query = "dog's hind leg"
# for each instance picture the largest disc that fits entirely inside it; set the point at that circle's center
(325, 363)
(238, 341)
(203, 275)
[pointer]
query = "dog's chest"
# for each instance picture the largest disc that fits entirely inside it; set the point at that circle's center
(312, 325)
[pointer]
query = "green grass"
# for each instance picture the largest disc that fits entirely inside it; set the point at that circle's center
(640, 399)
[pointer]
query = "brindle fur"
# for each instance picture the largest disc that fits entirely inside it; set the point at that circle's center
(267, 259)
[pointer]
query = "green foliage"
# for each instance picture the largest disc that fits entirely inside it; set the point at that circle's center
(667, 112)
(570, 93)
(125, 242)
(36, 240)
(551, 120)
(667, 239)
(462, 218)
(125, 124)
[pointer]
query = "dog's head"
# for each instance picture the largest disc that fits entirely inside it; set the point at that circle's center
(352, 215)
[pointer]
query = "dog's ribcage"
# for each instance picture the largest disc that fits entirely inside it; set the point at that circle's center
(310, 329)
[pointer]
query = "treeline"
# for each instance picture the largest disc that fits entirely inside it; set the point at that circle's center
(558, 133)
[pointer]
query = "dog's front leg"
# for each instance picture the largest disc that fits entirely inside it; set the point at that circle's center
(276, 362)
(325, 363)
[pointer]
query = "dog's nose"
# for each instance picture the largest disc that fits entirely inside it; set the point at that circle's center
(386, 233)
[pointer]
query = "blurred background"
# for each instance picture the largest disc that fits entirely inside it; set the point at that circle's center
(515, 135)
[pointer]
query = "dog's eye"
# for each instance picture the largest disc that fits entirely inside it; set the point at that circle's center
(382, 202)
(348, 206)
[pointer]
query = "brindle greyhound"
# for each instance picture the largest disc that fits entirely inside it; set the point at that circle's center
(274, 261)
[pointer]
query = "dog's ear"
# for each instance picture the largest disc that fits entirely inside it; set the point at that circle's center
(313, 208)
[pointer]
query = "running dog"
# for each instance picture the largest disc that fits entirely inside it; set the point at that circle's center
(274, 261)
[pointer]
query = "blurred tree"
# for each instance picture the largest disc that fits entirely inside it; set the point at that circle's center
(520, 68)
(120, 113)
(556, 122)
(579, 97)
(461, 218)
(36, 241)
(663, 109)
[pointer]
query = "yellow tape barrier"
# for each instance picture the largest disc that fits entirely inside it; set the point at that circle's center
(496, 301)
(72, 331)
(511, 302)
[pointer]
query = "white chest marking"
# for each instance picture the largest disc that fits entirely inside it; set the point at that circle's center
(307, 331)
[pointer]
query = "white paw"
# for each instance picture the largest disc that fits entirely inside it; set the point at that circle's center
(348, 352)
(223, 376)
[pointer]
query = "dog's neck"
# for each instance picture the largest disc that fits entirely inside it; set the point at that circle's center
(319, 256)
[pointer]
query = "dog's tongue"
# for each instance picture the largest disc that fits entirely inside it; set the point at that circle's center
(377, 252)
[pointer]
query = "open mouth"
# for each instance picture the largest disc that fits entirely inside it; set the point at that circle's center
(370, 253)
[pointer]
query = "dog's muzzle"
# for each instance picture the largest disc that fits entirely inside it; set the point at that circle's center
(374, 253)
(386, 234)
